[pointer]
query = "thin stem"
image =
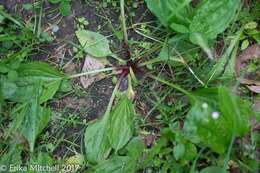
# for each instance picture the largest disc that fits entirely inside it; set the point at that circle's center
(147, 36)
(229, 152)
(122, 8)
(177, 87)
(91, 72)
(111, 101)
(155, 60)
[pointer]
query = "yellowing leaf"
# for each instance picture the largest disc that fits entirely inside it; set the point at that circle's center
(245, 44)
(77, 159)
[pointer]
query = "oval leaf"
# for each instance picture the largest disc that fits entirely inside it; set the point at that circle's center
(96, 141)
(121, 123)
(213, 17)
(213, 169)
(94, 43)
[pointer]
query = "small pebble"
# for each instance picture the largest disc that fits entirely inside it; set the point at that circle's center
(55, 28)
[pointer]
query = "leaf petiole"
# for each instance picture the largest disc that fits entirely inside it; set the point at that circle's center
(91, 72)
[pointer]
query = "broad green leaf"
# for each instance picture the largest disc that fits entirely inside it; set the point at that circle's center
(96, 141)
(1, 19)
(55, 1)
(65, 7)
(227, 60)
(94, 43)
(18, 118)
(235, 111)
(190, 152)
(43, 159)
(179, 151)
(8, 88)
(116, 164)
(180, 28)
(156, 149)
(30, 75)
(38, 71)
(13, 156)
(4, 68)
(65, 86)
(1, 99)
(171, 13)
(213, 17)
(121, 123)
(35, 119)
(135, 148)
(215, 117)
(50, 90)
(213, 169)
(12, 75)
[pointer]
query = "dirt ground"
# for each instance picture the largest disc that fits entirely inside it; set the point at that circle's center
(92, 104)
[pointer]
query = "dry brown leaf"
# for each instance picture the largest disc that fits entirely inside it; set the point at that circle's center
(256, 105)
(250, 82)
(91, 64)
(254, 88)
(70, 68)
(252, 52)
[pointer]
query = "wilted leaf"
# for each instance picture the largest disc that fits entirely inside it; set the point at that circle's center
(90, 64)
(94, 43)
(254, 88)
(251, 52)
(96, 141)
(121, 123)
